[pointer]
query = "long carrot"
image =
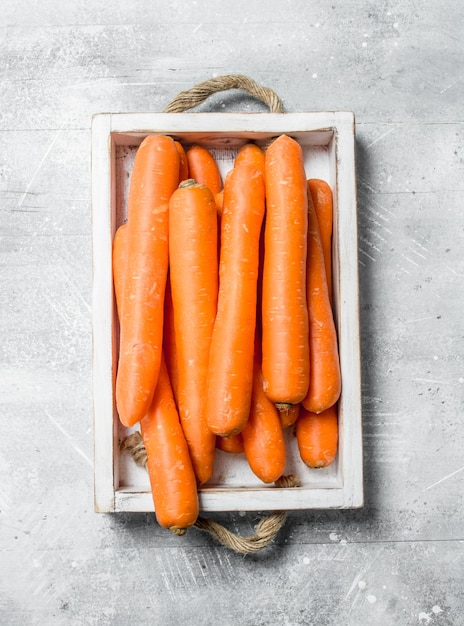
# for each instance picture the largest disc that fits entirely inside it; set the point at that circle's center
(230, 370)
(317, 436)
(219, 199)
(119, 264)
(183, 162)
(203, 168)
(172, 478)
(321, 194)
(169, 339)
(155, 176)
(194, 288)
(263, 438)
(325, 378)
(284, 307)
(251, 153)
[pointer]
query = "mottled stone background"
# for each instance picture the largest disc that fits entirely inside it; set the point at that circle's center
(399, 66)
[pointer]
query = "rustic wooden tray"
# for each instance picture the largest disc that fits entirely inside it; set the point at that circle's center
(328, 143)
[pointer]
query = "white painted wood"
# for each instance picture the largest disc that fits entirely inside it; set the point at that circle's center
(105, 467)
(327, 140)
(226, 125)
(347, 315)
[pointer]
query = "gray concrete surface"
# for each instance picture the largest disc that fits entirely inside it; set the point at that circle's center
(399, 66)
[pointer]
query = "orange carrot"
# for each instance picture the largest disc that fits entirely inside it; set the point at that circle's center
(252, 154)
(169, 339)
(232, 444)
(203, 168)
(321, 194)
(155, 176)
(230, 370)
(119, 264)
(284, 307)
(317, 436)
(263, 438)
(219, 199)
(172, 479)
(183, 163)
(289, 415)
(194, 287)
(119, 268)
(325, 379)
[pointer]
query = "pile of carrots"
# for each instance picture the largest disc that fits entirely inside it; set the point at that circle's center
(224, 298)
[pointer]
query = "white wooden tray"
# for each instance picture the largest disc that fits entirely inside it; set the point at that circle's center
(328, 142)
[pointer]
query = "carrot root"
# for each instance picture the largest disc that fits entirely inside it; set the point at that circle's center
(317, 437)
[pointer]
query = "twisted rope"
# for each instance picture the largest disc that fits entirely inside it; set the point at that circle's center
(266, 529)
(197, 94)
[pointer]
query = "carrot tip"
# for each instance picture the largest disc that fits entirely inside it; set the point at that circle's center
(288, 482)
(283, 406)
(189, 182)
(178, 531)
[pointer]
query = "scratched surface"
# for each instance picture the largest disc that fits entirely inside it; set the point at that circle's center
(398, 66)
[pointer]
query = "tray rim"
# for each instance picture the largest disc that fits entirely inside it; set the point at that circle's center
(107, 130)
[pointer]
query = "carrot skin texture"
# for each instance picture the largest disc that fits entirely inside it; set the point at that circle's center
(289, 415)
(169, 340)
(325, 378)
(321, 194)
(203, 168)
(252, 154)
(172, 478)
(284, 307)
(154, 177)
(194, 288)
(263, 438)
(183, 162)
(219, 199)
(232, 444)
(317, 436)
(119, 264)
(230, 370)
(119, 256)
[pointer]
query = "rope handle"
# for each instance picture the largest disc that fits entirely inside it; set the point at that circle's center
(266, 529)
(197, 94)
